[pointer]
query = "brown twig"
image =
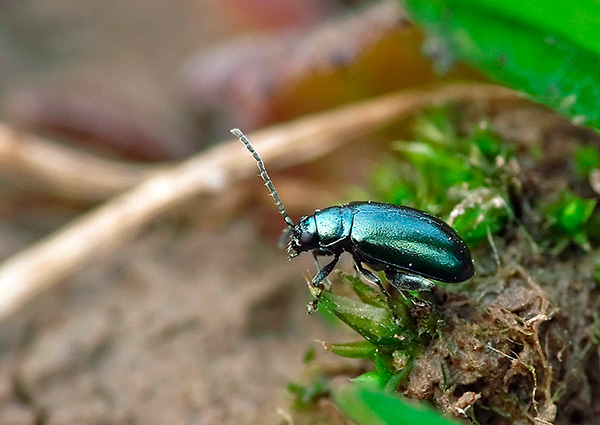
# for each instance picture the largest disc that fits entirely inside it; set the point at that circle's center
(111, 225)
(63, 171)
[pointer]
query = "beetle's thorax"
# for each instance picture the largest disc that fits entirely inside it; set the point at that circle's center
(325, 230)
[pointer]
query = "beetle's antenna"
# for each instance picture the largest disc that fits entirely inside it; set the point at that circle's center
(265, 176)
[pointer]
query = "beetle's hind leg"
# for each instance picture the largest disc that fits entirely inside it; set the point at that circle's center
(371, 277)
(409, 282)
(320, 277)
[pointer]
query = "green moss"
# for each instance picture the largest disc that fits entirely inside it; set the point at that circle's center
(567, 218)
(463, 178)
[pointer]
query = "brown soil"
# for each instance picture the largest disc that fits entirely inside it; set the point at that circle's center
(194, 327)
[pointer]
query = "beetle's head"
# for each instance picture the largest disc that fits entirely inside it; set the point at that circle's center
(303, 236)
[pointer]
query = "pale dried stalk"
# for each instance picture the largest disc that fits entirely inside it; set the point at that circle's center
(594, 179)
(111, 225)
(63, 171)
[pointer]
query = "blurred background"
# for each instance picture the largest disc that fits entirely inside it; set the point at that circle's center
(172, 303)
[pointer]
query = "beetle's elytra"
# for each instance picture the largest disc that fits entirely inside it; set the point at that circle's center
(409, 245)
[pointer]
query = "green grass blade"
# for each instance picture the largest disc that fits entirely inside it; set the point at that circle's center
(371, 406)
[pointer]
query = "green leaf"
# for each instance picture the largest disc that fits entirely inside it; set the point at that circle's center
(568, 218)
(448, 168)
(436, 128)
(488, 143)
(375, 324)
(369, 405)
(549, 49)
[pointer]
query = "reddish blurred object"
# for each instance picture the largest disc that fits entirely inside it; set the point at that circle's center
(106, 125)
(243, 77)
(272, 78)
(280, 14)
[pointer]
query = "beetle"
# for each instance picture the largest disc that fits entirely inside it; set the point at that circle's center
(410, 246)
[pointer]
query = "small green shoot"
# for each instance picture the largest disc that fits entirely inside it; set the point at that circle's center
(390, 344)
(353, 350)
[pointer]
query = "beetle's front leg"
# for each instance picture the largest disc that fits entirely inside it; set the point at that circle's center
(319, 277)
(322, 253)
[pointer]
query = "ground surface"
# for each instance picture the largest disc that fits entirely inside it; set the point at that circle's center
(198, 328)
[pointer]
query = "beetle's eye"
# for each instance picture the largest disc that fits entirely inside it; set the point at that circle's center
(305, 238)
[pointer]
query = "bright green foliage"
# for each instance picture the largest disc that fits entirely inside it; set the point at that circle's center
(390, 344)
(369, 405)
(372, 380)
(385, 376)
(567, 218)
(549, 49)
(572, 212)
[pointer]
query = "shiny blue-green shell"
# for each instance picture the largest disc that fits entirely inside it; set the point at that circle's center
(388, 236)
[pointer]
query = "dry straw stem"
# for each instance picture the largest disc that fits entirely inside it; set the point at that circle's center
(109, 226)
(65, 172)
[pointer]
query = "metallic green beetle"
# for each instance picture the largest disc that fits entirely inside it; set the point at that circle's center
(409, 245)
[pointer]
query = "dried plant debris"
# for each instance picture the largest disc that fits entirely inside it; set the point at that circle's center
(490, 354)
(522, 345)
